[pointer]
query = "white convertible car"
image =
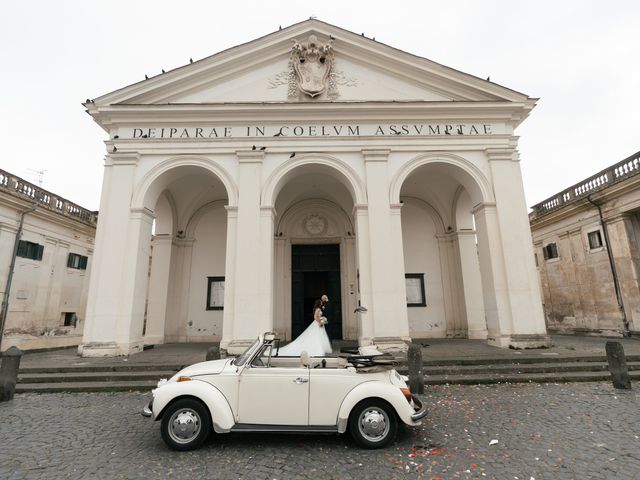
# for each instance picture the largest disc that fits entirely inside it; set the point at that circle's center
(262, 392)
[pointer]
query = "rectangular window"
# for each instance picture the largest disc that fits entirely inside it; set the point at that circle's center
(76, 261)
(215, 293)
(595, 239)
(415, 290)
(30, 250)
(69, 319)
(550, 251)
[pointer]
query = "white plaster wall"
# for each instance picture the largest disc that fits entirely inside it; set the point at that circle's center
(208, 257)
(422, 255)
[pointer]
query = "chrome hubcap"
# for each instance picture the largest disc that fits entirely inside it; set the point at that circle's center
(184, 426)
(374, 424)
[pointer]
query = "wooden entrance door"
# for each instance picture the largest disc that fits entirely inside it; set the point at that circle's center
(315, 269)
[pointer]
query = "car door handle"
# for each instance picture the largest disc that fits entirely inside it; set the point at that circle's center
(300, 380)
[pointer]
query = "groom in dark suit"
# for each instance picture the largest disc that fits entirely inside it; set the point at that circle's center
(325, 307)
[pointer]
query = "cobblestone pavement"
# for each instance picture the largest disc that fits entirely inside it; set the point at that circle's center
(547, 431)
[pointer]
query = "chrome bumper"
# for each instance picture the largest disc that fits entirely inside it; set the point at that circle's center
(421, 411)
(147, 410)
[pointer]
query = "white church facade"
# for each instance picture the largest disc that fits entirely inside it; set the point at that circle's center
(240, 187)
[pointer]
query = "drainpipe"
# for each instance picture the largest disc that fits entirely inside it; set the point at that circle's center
(616, 282)
(7, 290)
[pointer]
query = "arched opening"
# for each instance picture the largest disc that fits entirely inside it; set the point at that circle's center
(444, 288)
(315, 249)
(188, 250)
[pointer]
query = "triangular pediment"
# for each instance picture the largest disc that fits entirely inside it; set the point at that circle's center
(362, 70)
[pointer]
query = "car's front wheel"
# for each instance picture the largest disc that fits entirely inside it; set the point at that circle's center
(186, 424)
(373, 423)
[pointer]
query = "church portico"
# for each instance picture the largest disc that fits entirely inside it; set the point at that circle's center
(231, 217)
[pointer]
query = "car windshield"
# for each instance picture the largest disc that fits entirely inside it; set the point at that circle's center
(242, 359)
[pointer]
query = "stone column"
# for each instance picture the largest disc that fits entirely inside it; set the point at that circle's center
(472, 284)
(175, 328)
(492, 270)
(7, 239)
(620, 233)
(363, 275)
(453, 302)
(528, 329)
(388, 295)
(47, 308)
(228, 314)
(118, 284)
(253, 289)
(158, 289)
(282, 289)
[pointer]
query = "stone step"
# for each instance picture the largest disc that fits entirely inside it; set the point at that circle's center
(76, 387)
(471, 379)
(69, 377)
(554, 377)
(550, 358)
(524, 368)
(101, 368)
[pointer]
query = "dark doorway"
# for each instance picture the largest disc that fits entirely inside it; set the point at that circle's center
(315, 269)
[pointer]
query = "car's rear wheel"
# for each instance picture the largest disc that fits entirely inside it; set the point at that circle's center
(373, 423)
(186, 424)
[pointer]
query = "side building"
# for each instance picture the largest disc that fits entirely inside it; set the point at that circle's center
(48, 291)
(587, 248)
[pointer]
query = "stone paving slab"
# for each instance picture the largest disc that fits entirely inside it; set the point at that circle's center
(503, 432)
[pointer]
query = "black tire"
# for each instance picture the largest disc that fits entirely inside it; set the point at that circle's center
(186, 424)
(373, 423)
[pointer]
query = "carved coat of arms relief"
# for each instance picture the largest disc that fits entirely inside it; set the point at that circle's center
(312, 62)
(312, 72)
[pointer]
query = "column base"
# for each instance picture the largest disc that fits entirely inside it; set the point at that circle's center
(500, 341)
(530, 341)
(235, 347)
(481, 334)
(109, 349)
(153, 339)
(392, 344)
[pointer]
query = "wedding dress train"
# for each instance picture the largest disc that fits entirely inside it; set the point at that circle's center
(314, 340)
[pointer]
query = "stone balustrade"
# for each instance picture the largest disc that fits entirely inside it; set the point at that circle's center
(20, 188)
(609, 176)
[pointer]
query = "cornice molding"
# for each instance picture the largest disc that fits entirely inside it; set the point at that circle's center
(112, 116)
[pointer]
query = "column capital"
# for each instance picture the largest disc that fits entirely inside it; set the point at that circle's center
(267, 211)
(616, 217)
(162, 238)
(143, 213)
(360, 209)
(381, 155)
(113, 159)
(52, 240)
(465, 233)
(395, 208)
(484, 207)
(6, 227)
(508, 154)
(232, 211)
(250, 156)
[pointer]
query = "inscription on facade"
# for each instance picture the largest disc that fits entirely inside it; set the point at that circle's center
(345, 130)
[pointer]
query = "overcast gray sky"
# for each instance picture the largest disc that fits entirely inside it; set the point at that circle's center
(581, 58)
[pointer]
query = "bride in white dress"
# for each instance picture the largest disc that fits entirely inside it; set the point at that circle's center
(314, 340)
